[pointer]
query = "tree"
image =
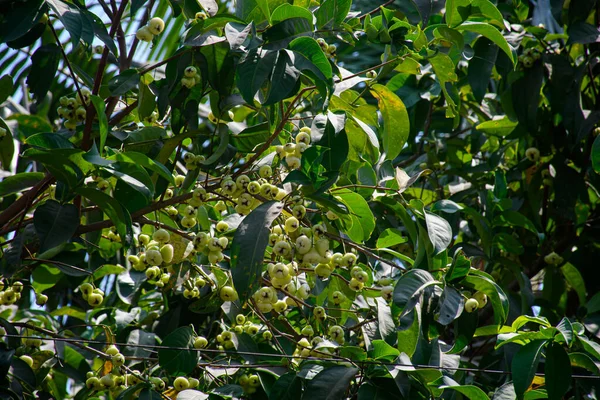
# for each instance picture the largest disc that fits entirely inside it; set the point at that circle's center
(299, 200)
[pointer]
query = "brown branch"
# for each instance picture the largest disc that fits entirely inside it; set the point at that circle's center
(12, 210)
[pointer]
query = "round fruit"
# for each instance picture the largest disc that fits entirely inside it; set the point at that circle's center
(28, 360)
(181, 383)
(532, 154)
(190, 72)
(156, 26)
(228, 293)
(144, 34)
(471, 305)
(265, 171)
(112, 350)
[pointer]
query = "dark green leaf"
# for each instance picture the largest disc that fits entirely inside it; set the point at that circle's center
(558, 371)
(452, 305)
(332, 12)
(439, 231)
(496, 295)
(102, 120)
(330, 384)
(123, 82)
(55, 224)
(248, 248)
(6, 87)
(287, 387)
(410, 285)
(44, 63)
(525, 364)
(16, 183)
(491, 33)
(177, 361)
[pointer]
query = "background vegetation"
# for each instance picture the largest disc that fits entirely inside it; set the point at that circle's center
(305, 199)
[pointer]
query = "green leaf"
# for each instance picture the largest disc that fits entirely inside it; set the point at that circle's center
(596, 154)
(308, 50)
(382, 350)
(146, 162)
(55, 224)
(248, 247)
(496, 295)
(107, 269)
(409, 286)
(253, 10)
(582, 360)
(332, 12)
(180, 361)
(481, 66)
(287, 387)
(469, 391)
(491, 33)
(102, 120)
(150, 394)
(248, 139)
(439, 232)
(390, 237)
(330, 384)
(45, 277)
(7, 146)
(49, 140)
(6, 87)
(458, 11)
(223, 133)
(363, 221)
(497, 127)
(445, 72)
(44, 64)
(111, 207)
(123, 82)
(575, 280)
(525, 364)
(19, 182)
(451, 305)
(558, 371)
(396, 125)
(287, 11)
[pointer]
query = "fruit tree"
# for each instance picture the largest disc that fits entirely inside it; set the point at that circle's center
(299, 199)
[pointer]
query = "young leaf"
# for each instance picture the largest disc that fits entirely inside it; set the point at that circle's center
(396, 124)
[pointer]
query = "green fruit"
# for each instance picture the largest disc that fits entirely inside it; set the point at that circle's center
(471, 305)
(181, 383)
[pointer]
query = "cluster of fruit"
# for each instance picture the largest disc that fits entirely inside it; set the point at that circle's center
(191, 77)
(11, 294)
(94, 296)
(30, 346)
(328, 49)
(530, 56)
(477, 301)
(154, 27)
(73, 109)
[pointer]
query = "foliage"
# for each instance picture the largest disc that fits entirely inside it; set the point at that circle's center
(287, 200)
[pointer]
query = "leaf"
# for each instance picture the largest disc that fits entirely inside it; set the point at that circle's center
(445, 72)
(7, 146)
(575, 280)
(496, 295)
(6, 87)
(55, 224)
(146, 162)
(210, 6)
(223, 132)
(248, 247)
(287, 11)
(396, 125)
(72, 19)
(382, 350)
(332, 12)
(458, 11)
(45, 277)
(287, 387)
(557, 371)
(452, 304)
(329, 384)
(596, 154)
(491, 33)
(390, 237)
(111, 207)
(179, 361)
(481, 66)
(49, 140)
(469, 391)
(566, 330)
(44, 64)
(123, 82)
(524, 365)
(439, 231)
(191, 394)
(19, 182)
(363, 221)
(410, 285)
(247, 140)
(107, 269)
(312, 57)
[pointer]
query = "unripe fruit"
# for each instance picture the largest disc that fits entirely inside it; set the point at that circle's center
(355, 285)
(553, 259)
(371, 74)
(291, 224)
(337, 297)
(532, 154)
(188, 222)
(280, 306)
(118, 360)
(240, 319)
(108, 380)
(112, 350)
(227, 293)
(28, 360)
(190, 72)
(86, 289)
(307, 331)
(471, 305)
(181, 383)
(319, 312)
(92, 382)
(167, 253)
(161, 236)
(293, 162)
(267, 335)
(157, 383)
(156, 26)
(222, 226)
(303, 137)
(253, 187)
(265, 171)
(323, 271)
(154, 257)
(193, 382)
(349, 260)
(41, 299)
(303, 244)
(201, 15)
(144, 34)
(95, 299)
(481, 299)
(254, 381)
(387, 292)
